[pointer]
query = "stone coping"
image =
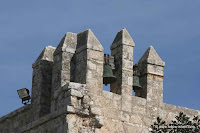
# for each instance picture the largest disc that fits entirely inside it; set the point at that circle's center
(12, 114)
(45, 119)
(178, 109)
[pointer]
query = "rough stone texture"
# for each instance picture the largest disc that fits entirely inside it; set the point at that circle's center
(89, 61)
(151, 69)
(62, 68)
(67, 94)
(42, 81)
(122, 50)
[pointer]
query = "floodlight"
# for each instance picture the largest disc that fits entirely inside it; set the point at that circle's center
(24, 95)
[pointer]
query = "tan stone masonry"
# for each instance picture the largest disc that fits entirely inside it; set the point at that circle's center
(68, 96)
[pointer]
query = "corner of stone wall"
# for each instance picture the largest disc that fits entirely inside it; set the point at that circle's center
(41, 83)
(62, 68)
(11, 123)
(80, 110)
(89, 62)
(151, 69)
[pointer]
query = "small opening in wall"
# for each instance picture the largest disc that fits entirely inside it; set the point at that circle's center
(106, 88)
(133, 93)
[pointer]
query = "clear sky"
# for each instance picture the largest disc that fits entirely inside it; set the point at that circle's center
(171, 26)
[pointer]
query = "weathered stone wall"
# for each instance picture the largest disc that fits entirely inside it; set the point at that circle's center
(42, 82)
(68, 95)
(168, 112)
(10, 123)
(83, 113)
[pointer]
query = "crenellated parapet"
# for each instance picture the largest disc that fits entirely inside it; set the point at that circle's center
(68, 96)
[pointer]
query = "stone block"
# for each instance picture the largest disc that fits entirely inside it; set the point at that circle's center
(138, 101)
(98, 122)
(110, 113)
(73, 123)
(95, 55)
(169, 107)
(147, 121)
(117, 97)
(132, 128)
(76, 93)
(91, 65)
(116, 104)
(75, 86)
(124, 117)
(86, 99)
(122, 37)
(98, 101)
(126, 103)
(95, 111)
(87, 40)
(127, 65)
(71, 101)
(171, 116)
(156, 70)
(70, 109)
(136, 119)
(108, 95)
(138, 110)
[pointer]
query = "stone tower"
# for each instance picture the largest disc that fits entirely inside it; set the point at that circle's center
(68, 96)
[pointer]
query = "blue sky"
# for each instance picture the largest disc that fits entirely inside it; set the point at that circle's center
(172, 27)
